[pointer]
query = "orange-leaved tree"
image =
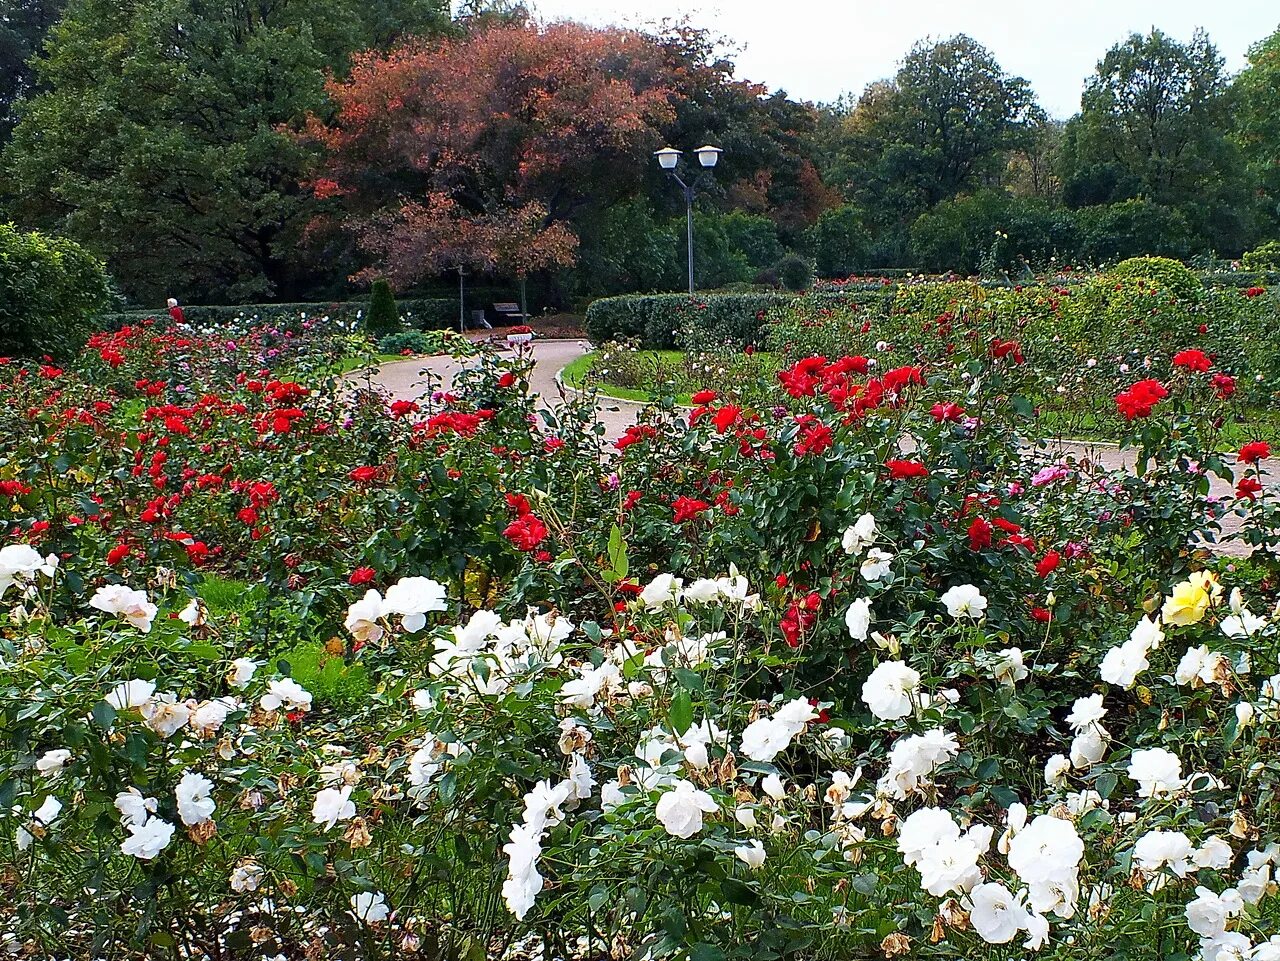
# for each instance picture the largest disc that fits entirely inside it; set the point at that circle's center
(481, 150)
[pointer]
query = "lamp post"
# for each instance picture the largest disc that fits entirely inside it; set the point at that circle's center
(669, 160)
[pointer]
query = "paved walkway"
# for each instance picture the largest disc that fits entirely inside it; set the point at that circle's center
(414, 378)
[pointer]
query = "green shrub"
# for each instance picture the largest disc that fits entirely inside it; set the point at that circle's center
(794, 272)
(1265, 257)
(329, 678)
(383, 317)
(50, 291)
(658, 321)
(1164, 273)
(1134, 228)
(664, 321)
(992, 231)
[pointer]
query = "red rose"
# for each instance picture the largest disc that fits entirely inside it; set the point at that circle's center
(947, 412)
(1042, 614)
(1224, 385)
(688, 508)
(507, 380)
(1192, 360)
(525, 532)
(1048, 564)
(904, 469)
(518, 503)
(363, 475)
(1140, 399)
(403, 408)
(1248, 488)
(361, 575)
(1254, 451)
(118, 553)
(704, 397)
(979, 534)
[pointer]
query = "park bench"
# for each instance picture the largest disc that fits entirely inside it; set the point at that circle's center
(511, 313)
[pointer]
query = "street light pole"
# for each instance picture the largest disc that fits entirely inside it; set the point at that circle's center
(668, 159)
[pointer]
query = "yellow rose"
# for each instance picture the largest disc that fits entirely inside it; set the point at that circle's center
(1186, 605)
(1208, 582)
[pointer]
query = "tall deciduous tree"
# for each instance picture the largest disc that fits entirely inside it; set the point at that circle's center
(1154, 123)
(942, 125)
(1257, 123)
(514, 128)
(158, 141)
(24, 24)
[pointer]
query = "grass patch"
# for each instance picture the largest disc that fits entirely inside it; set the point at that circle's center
(641, 370)
(346, 365)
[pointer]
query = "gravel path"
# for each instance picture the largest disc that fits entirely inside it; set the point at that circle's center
(412, 379)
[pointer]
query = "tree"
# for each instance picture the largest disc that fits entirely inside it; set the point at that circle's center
(841, 243)
(446, 153)
(1154, 123)
(943, 124)
(1257, 122)
(384, 316)
(769, 161)
(24, 24)
(159, 139)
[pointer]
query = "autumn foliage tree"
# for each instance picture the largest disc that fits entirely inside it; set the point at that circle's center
(481, 150)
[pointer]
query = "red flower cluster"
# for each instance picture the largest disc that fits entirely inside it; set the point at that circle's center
(1140, 399)
(815, 437)
(635, 434)
(799, 617)
(1196, 360)
(525, 532)
(688, 508)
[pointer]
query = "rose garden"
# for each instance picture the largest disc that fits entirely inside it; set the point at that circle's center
(895, 616)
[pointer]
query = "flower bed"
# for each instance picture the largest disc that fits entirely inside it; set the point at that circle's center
(288, 672)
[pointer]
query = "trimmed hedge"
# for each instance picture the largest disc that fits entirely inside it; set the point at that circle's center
(665, 321)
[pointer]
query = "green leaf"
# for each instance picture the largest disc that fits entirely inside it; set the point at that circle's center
(681, 713)
(689, 680)
(705, 952)
(735, 892)
(1106, 784)
(617, 552)
(103, 714)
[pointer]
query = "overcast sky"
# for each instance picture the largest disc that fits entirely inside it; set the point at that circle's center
(817, 49)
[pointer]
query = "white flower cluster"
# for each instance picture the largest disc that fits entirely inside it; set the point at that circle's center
(413, 598)
(667, 590)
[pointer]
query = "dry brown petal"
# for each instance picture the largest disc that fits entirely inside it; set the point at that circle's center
(357, 834)
(202, 832)
(896, 945)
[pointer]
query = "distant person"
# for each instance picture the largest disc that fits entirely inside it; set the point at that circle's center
(175, 312)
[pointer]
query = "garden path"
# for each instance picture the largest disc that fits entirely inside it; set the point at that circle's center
(411, 379)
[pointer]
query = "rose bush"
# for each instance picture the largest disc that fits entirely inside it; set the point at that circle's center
(846, 670)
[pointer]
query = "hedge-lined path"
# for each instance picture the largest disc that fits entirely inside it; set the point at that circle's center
(412, 379)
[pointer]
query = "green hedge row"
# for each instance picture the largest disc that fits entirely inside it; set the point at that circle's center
(665, 321)
(434, 313)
